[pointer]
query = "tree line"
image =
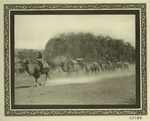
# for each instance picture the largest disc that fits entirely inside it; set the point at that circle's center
(81, 45)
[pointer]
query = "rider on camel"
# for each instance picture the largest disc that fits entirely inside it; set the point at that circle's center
(107, 59)
(42, 59)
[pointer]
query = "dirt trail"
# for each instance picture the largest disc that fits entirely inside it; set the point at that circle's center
(110, 88)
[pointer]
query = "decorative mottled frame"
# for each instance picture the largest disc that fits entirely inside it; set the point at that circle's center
(42, 112)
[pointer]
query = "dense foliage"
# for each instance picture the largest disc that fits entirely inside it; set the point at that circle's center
(87, 46)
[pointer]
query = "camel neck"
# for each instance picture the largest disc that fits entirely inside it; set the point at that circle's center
(64, 68)
(29, 69)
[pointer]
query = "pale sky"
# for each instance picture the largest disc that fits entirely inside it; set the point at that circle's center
(34, 31)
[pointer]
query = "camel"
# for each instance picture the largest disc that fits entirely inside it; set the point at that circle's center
(36, 70)
(126, 65)
(93, 67)
(69, 67)
(106, 66)
(81, 63)
(111, 67)
(119, 65)
(103, 66)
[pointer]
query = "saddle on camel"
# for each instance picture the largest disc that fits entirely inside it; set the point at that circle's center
(95, 63)
(73, 62)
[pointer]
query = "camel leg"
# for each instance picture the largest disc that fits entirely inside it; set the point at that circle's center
(51, 72)
(77, 71)
(102, 69)
(98, 71)
(95, 70)
(36, 80)
(45, 79)
(115, 70)
(69, 75)
(39, 83)
(47, 75)
(35, 83)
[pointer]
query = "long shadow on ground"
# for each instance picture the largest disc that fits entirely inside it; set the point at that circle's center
(23, 87)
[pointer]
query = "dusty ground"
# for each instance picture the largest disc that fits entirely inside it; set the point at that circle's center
(111, 88)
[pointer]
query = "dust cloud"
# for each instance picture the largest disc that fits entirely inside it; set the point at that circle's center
(59, 59)
(60, 78)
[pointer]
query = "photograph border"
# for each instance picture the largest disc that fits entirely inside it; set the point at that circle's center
(41, 112)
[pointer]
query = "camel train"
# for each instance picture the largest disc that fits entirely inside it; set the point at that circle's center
(79, 64)
(36, 69)
(93, 67)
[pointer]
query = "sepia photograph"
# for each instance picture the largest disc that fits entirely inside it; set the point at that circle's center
(75, 59)
(69, 59)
